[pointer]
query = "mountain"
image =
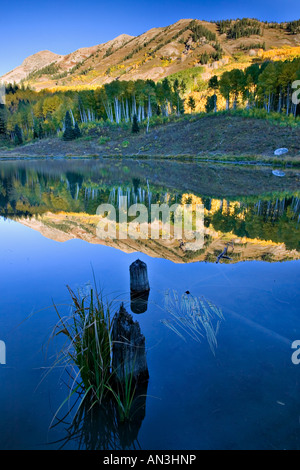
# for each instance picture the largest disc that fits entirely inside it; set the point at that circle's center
(158, 53)
(34, 62)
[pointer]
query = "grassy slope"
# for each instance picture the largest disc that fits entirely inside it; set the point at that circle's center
(221, 137)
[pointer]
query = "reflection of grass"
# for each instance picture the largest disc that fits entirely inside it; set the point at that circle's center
(194, 317)
(189, 254)
(210, 258)
(125, 396)
(99, 428)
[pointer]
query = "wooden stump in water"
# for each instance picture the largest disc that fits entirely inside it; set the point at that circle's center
(139, 277)
(129, 352)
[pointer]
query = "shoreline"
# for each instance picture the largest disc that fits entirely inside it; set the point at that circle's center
(211, 138)
(242, 160)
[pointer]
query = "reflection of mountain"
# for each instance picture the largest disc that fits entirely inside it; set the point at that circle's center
(63, 227)
(60, 200)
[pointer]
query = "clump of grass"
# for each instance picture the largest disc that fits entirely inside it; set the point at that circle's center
(89, 346)
(88, 352)
(195, 317)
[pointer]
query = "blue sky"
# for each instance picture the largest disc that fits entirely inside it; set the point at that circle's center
(64, 26)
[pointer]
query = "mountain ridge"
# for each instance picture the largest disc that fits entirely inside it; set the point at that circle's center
(154, 54)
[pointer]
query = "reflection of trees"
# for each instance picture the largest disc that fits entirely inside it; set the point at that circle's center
(7, 204)
(275, 220)
(74, 181)
(34, 190)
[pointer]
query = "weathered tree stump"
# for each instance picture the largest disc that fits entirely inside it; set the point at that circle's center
(139, 277)
(129, 352)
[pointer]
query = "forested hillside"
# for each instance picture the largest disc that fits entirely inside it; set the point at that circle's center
(33, 115)
(215, 66)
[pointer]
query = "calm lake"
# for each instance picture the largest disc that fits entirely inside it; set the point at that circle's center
(244, 394)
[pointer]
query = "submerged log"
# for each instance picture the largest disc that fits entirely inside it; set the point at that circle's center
(139, 277)
(129, 352)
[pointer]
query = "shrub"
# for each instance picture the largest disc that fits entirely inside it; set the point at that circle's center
(103, 139)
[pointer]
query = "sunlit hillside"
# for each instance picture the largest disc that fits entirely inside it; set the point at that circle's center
(160, 52)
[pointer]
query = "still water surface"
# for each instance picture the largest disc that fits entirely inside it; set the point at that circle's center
(246, 396)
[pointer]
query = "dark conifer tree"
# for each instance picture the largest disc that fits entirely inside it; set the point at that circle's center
(191, 104)
(36, 131)
(135, 125)
(69, 130)
(41, 131)
(210, 103)
(2, 121)
(18, 135)
(77, 132)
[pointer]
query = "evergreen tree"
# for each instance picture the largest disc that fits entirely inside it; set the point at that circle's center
(77, 132)
(293, 27)
(36, 131)
(135, 125)
(69, 133)
(210, 103)
(191, 104)
(204, 58)
(213, 84)
(41, 131)
(18, 135)
(2, 121)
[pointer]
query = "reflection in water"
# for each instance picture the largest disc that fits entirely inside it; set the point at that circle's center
(100, 428)
(139, 301)
(61, 203)
(240, 389)
(139, 286)
(194, 317)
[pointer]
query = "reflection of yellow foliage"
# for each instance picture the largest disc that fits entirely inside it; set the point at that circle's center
(191, 199)
(80, 217)
(215, 206)
(227, 207)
